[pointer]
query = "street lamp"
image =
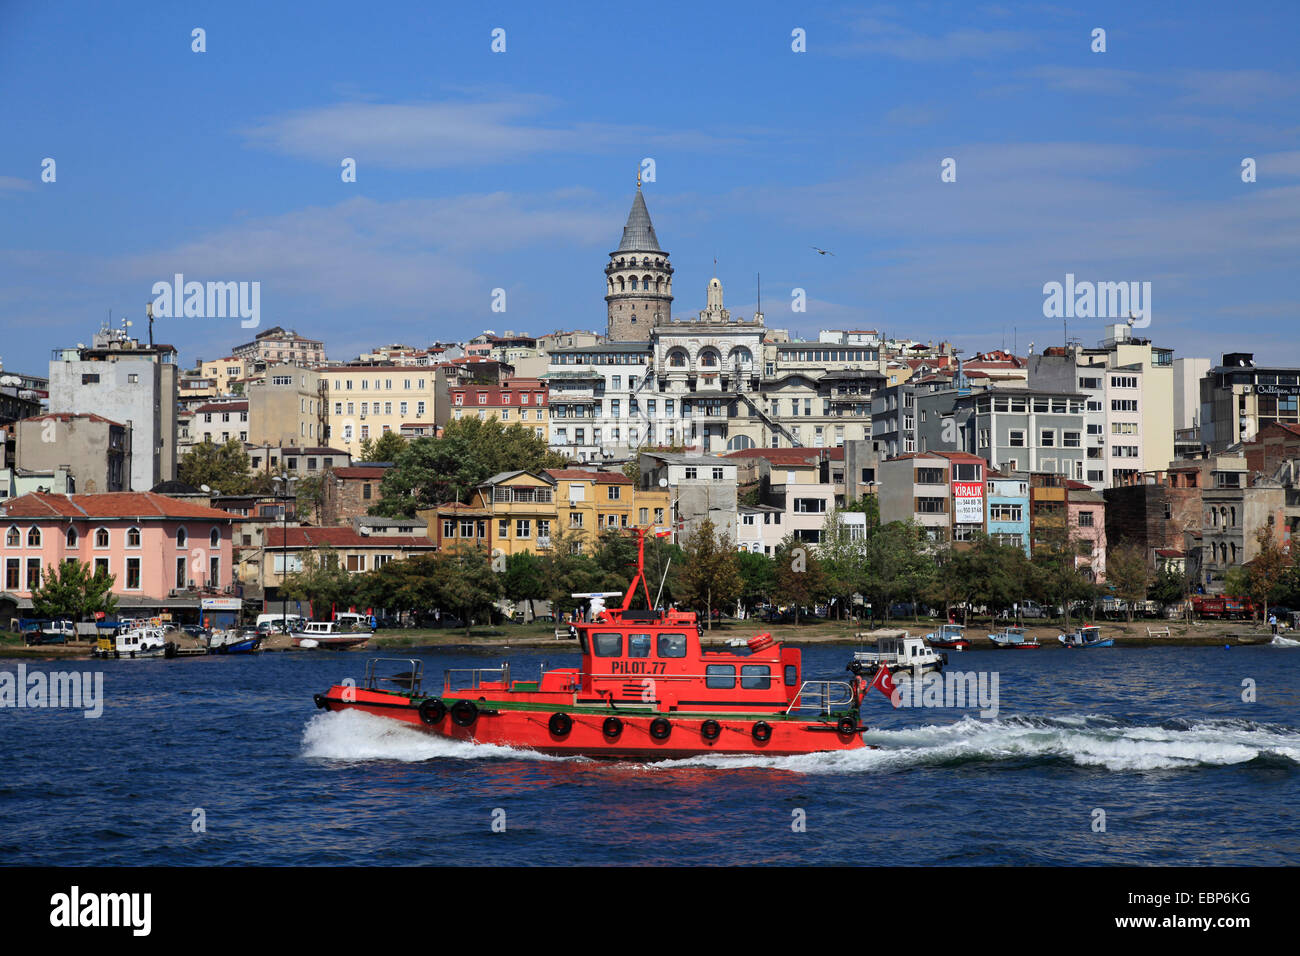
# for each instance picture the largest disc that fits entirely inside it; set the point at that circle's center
(284, 543)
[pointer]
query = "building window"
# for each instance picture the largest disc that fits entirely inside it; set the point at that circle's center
(613, 492)
(101, 538)
(180, 573)
(523, 528)
(356, 562)
(133, 537)
(132, 574)
(1085, 519)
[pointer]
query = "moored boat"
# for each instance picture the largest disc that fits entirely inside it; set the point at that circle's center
(328, 634)
(903, 656)
(644, 688)
(950, 636)
(134, 642)
(1089, 635)
(1013, 638)
(235, 642)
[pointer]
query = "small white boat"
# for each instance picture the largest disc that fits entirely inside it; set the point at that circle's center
(1013, 638)
(327, 634)
(903, 656)
(1089, 635)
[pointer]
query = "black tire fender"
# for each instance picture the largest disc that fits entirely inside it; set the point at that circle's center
(560, 724)
(710, 729)
(612, 727)
(761, 731)
(846, 725)
(464, 713)
(660, 728)
(319, 701)
(432, 710)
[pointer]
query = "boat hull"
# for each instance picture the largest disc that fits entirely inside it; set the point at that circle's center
(497, 723)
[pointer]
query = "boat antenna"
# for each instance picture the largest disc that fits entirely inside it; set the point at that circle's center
(662, 580)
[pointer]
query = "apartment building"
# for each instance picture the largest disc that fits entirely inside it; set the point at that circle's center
(218, 422)
(702, 487)
(129, 382)
(1239, 399)
(278, 346)
(287, 406)
(368, 401)
(1008, 510)
(515, 400)
(941, 491)
(92, 450)
(591, 501)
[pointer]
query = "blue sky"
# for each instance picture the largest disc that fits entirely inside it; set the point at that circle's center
(479, 170)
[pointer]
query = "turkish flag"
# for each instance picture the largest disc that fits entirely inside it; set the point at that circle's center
(884, 682)
(662, 534)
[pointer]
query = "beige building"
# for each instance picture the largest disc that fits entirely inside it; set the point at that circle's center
(95, 451)
(218, 422)
(225, 372)
(277, 346)
(367, 401)
(287, 407)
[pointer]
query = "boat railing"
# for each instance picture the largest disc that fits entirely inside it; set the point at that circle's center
(472, 676)
(825, 695)
(410, 679)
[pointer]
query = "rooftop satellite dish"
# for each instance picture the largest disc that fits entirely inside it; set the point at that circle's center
(205, 489)
(663, 482)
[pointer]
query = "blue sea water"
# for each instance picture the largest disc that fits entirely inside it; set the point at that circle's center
(1159, 740)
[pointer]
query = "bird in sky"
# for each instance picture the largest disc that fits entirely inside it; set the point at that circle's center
(822, 252)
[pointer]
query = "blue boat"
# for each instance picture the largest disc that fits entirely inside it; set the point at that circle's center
(245, 643)
(1087, 636)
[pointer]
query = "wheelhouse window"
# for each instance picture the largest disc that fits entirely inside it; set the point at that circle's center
(755, 677)
(720, 676)
(607, 645)
(791, 675)
(638, 645)
(672, 645)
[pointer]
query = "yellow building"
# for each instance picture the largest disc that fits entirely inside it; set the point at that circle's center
(225, 372)
(369, 401)
(590, 501)
(527, 509)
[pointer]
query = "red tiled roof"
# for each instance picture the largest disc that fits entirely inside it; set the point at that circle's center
(361, 471)
(779, 456)
(69, 416)
(222, 407)
(113, 504)
(600, 477)
(341, 538)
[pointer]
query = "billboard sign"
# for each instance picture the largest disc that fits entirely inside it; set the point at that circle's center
(968, 502)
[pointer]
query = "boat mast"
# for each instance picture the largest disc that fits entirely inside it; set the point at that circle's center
(640, 573)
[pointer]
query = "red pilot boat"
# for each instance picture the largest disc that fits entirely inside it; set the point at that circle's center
(645, 689)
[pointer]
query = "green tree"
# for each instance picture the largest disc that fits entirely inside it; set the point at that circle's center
(71, 591)
(433, 471)
(1056, 577)
(387, 447)
(407, 585)
(567, 568)
(523, 579)
(310, 493)
(465, 582)
(710, 577)
(842, 560)
(322, 581)
(897, 563)
(1267, 571)
(1128, 574)
(757, 577)
(223, 468)
(800, 580)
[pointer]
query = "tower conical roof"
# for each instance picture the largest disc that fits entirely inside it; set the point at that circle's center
(639, 233)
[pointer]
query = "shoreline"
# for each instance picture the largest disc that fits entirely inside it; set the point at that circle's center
(1208, 634)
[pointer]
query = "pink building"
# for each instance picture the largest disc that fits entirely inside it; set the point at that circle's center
(164, 553)
(1086, 514)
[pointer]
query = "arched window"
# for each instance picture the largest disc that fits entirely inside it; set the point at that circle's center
(101, 537)
(645, 283)
(633, 281)
(71, 537)
(13, 538)
(677, 358)
(1233, 512)
(34, 537)
(709, 358)
(214, 539)
(133, 537)
(740, 442)
(181, 537)
(741, 356)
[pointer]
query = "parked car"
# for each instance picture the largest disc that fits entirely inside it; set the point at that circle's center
(1032, 609)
